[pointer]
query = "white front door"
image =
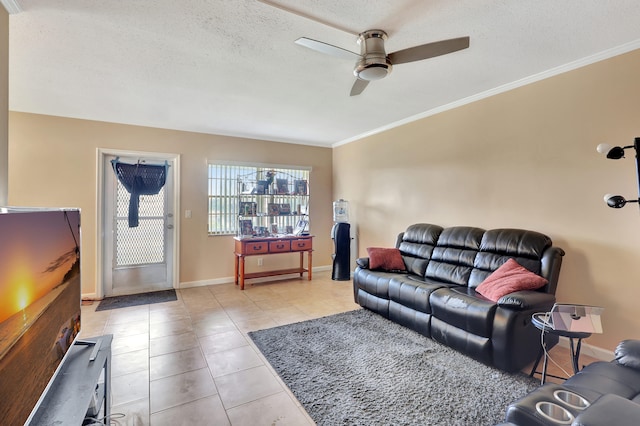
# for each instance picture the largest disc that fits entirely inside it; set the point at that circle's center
(137, 259)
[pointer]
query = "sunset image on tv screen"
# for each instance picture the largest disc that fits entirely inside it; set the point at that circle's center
(39, 303)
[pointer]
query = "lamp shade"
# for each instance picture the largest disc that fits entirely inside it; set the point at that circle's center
(614, 153)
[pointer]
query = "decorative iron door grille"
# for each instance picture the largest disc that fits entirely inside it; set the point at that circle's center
(144, 244)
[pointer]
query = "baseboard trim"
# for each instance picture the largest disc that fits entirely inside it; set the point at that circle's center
(202, 283)
(228, 280)
(224, 280)
(590, 350)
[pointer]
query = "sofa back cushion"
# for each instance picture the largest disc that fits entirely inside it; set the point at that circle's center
(453, 257)
(416, 246)
(500, 245)
(466, 255)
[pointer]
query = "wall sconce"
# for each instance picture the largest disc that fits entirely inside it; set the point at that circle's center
(616, 153)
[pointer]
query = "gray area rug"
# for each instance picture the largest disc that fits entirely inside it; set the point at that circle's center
(117, 302)
(358, 368)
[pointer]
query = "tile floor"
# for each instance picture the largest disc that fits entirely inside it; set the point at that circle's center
(190, 362)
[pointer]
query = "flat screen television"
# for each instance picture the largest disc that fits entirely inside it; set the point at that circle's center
(40, 298)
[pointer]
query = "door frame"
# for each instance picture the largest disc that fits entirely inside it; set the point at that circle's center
(101, 153)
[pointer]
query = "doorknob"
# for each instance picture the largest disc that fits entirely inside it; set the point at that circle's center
(169, 226)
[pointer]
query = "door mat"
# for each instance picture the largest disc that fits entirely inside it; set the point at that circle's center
(129, 300)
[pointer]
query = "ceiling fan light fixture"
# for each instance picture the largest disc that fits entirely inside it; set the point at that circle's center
(372, 71)
(374, 64)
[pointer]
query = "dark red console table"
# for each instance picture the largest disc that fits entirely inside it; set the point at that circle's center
(267, 246)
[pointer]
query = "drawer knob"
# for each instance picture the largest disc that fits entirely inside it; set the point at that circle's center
(280, 246)
(258, 247)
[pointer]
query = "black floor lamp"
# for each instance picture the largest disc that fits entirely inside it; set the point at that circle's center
(616, 153)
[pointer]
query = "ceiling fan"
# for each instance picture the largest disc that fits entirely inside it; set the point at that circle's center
(373, 63)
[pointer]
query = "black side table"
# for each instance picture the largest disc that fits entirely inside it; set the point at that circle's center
(543, 322)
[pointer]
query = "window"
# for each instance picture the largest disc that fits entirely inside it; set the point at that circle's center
(225, 185)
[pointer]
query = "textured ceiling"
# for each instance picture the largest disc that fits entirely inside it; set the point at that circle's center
(231, 67)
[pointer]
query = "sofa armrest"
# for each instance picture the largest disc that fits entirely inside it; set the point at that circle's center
(551, 262)
(610, 409)
(363, 262)
(628, 353)
(527, 299)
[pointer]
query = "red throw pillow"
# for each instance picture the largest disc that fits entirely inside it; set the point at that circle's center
(386, 259)
(508, 278)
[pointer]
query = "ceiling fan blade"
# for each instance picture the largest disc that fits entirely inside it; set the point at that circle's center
(327, 49)
(429, 50)
(358, 86)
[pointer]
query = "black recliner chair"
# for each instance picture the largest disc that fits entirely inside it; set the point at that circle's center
(603, 393)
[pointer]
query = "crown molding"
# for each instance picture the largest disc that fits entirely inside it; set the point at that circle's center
(12, 6)
(601, 56)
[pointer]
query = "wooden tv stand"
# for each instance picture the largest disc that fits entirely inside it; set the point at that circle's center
(272, 245)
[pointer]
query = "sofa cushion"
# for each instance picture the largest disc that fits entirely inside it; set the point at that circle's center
(453, 257)
(477, 347)
(373, 282)
(412, 319)
(498, 245)
(463, 309)
(420, 235)
(416, 245)
(509, 278)
(386, 259)
(526, 244)
(412, 292)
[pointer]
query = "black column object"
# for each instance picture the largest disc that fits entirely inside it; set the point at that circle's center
(340, 233)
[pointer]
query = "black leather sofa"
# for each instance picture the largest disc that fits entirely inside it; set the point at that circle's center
(603, 393)
(436, 295)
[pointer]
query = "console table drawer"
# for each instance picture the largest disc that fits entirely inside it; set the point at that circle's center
(300, 245)
(256, 248)
(279, 246)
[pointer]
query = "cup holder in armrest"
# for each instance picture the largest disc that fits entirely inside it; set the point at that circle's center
(554, 412)
(571, 399)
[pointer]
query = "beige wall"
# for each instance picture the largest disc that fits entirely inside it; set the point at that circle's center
(53, 164)
(525, 158)
(4, 103)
